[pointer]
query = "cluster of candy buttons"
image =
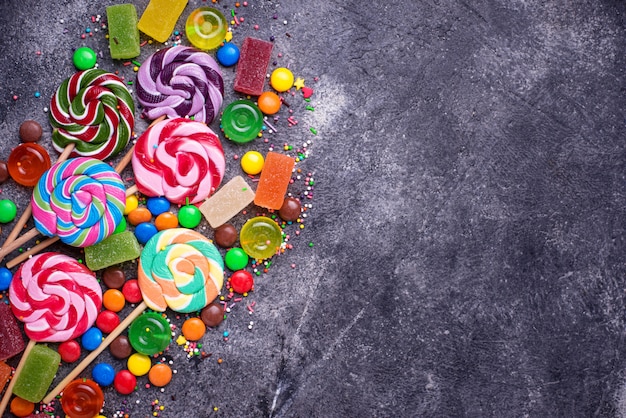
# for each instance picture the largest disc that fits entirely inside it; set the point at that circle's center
(189, 216)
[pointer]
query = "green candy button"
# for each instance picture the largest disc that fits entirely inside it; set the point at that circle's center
(84, 58)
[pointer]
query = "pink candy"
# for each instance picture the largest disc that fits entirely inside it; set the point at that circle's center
(179, 159)
(55, 296)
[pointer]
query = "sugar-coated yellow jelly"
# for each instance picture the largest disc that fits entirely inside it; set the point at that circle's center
(206, 28)
(160, 17)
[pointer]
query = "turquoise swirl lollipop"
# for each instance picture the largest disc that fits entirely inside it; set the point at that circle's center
(80, 200)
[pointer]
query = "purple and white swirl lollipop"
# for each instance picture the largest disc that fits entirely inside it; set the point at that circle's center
(180, 81)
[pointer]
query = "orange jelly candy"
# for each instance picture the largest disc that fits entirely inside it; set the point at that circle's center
(27, 162)
(274, 180)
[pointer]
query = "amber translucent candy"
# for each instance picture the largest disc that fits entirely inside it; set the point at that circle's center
(270, 192)
(82, 398)
(27, 162)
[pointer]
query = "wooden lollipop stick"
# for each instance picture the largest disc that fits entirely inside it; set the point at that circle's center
(18, 370)
(91, 357)
(15, 232)
(7, 249)
(37, 248)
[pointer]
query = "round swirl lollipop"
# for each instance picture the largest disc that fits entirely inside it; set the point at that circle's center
(55, 296)
(80, 200)
(180, 81)
(179, 159)
(181, 269)
(94, 111)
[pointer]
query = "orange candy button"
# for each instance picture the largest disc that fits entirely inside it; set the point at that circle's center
(193, 329)
(113, 300)
(21, 407)
(139, 215)
(269, 102)
(160, 374)
(166, 220)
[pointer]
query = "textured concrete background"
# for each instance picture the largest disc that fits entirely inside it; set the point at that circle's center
(468, 217)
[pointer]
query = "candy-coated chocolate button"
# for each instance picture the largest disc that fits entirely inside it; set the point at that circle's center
(120, 347)
(252, 162)
(107, 321)
(149, 334)
(84, 58)
(158, 205)
(189, 216)
(236, 259)
(290, 210)
(269, 102)
(139, 364)
(260, 237)
(281, 79)
(4, 171)
(132, 292)
(145, 231)
(206, 28)
(27, 162)
(5, 278)
(193, 329)
(30, 131)
(121, 227)
(166, 220)
(125, 382)
(21, 407)
(131, 204)
(103, 374)
(139, 215)
(241, 121)
(160, 374)
(69, 351)
(226, 236)
(113, 277)
(91, 339)
(113, 300)
(228, 54)
(212, 315)
(241, 281)
(8, 211)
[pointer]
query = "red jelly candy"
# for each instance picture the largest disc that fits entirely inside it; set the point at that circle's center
(254, 59)
(27, 162)
(82, 398)
(12, 341)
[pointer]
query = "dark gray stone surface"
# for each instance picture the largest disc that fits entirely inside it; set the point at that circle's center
(468, 217)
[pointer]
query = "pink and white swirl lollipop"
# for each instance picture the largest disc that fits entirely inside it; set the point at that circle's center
(179, 159)
(55, 296)
(180, 81)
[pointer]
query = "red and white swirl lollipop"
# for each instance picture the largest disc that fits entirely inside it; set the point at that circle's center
(55, 296)
(179, 159)
(180, 81)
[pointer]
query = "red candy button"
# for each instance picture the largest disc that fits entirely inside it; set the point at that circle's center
(27, 162)
(131, 291)
(125, 382)
(107, 321)
(241, 281)
(69, 351)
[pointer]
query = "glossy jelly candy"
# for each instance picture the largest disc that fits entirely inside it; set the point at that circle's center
(11, 340)
(113, 250)
(5, 373)
(160, 17)
(274, 180)
(260, 237)
(150, 333)
(241, 121)
(206, 28)
(123, 33)
(227, 202)
(254, 58)
(39, 369)
(82, 398)
(27, 162)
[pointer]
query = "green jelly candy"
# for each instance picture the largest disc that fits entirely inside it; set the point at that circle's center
(123, 32)
(150, 333)
(34, 381)
(113, 250)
